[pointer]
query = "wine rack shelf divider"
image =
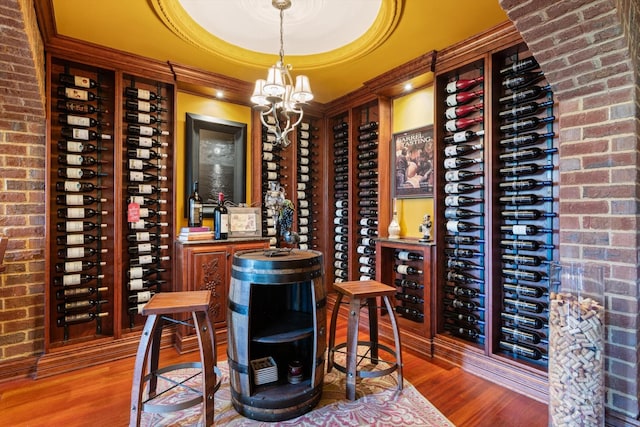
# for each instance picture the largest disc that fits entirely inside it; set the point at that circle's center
(91, 241)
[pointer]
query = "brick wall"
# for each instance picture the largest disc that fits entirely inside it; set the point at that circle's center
(22, 173)
(589, 53)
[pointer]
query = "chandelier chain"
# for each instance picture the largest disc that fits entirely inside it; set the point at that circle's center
(282, 36)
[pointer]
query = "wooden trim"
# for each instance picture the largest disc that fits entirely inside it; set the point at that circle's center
(418, 71)
(21, 368)
(46, 22)
(340, 105)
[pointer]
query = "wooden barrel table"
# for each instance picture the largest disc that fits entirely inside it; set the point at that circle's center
(276, 332)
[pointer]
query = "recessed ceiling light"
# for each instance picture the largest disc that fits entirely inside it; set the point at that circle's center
(408, 87)
(219, 94)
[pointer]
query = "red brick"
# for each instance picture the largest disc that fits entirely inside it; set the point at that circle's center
(584, 207)
(610, 128)
(627, 240)
(584, 147)
(618, 191)
(585, 118)
(570, 192)
(583, 90)
(586, 177)
(624, 175)
(606, 160)
(609, 223)
(608, 98)
(26, 349)
(568, 222)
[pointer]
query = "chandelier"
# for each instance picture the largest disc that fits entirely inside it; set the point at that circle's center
(277, 99)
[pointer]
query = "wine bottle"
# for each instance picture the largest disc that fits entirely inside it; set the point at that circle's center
(458, 187)
(76, 94)
(410, 313)
(78, 147)
(464, 136)
(462, 84)
(142, 118)
(76, 226)
(78, 292)
(525, 124)
(520, 335)
(80, 252)
(145, 236)
(368, 174)
(525, 214)
(368, 183)
(522, 110)
(461, 201)
(372, 232)
(462, 111)
(368, 193)
(458, 303)
(523, 290)
(141, 130)
(145, 201)
(145, 95)
(365, 250)
(455, 213)
(369, 222)
(367, 241)
(340, 273)
(368, 145)
(341, 256)
(143, 165)
(195, 207)
(408, 284)
(523, 229)
(69, 119)
(517, 274)
(145, 142)
(148, 259)
(368, 203)
(462, 253)
(144, 224)
(145, 153)
(408, 256)
(462, 264)
(368, 126)
(413, 299)
(460, 162)
(518, 304)
(460, 175)
(366, 260)
(459, 277)
(459, 98)
(522, 320)
(74, 213)
(458, 125)
(78, 107)
(463, 332)
(528, 94)
(138, 272)
(77, 160)
(77, 199)
(460, 150)
(143, 106)
(369, 164)
(340, 264)
(220, 219)
(340, 238)
(523, 184)
(78, 239)
(77, 266)
(368, 212)
(77, 81)
(145, 248)
(70, 306)
(366, 155)
(524, 169)
(463, 317)
(462, 240)
(76, 186)
(143, 189)
(139, 176)
(528, 245)
(82, 134)
(76, 279)
(455, 226)
(340, 126)
(522, 80)
(367, 269)
(524, 199)
(406, 269)
(139, 297)
(367, 136)
(80, 318)
(519, 66)
(526, 154)
(518, 259)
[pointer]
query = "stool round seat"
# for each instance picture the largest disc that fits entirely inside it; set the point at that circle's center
(146, 371)
(360, 294)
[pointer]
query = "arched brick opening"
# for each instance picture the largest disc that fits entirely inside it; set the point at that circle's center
(589, 53)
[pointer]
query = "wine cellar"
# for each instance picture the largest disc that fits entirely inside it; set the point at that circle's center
(479, 289)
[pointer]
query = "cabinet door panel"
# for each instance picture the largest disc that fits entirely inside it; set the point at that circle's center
(210, 273)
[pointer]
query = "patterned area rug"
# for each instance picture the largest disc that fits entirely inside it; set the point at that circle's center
(378, 403)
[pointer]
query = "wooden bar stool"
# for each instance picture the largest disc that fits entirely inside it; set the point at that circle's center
(146, 367)
(363, 293)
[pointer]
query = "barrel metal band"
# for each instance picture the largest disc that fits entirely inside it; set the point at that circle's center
(238, 367)
(268, 277)
(280, 403)
(238, 308)
(321, 303)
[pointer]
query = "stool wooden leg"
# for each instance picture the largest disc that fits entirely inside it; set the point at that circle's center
(206, 339)
(396, 338)
(153, 359)
(352, 347)
(373, 328)
(139, 371)
(332, 331)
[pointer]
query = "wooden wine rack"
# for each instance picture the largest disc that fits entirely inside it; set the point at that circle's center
(116, 172)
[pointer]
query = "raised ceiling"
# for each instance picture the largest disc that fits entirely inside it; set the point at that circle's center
(388, 34)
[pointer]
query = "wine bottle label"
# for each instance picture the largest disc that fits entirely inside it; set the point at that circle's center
(304, 134)
(75, 252)
(452, 226)
(81, 81)
(72, 266)
(303, 143)
(520, 230)
(137, 283)
(75, 147)
(136, 176)
(78, 121)
(301, 195)
(271, 166)
(143, 296)
(367, 241)
(303, 160)
(304, 152)
(303, 230)
(402, 269)
(144, 247)
(362, 250)
(144, 106)
(78, 94)
(304, 212)
(82, 134)
(271, 231)
(146, 131)
(303, 246)
(145, 141)
(224, 223)
(452, 201)
(403, 255)
(74, 200)
(303, 178)
(74, 159)
(143, 236)
(452, 175)
(74, 226)
(145, 259)
(136, 164)
(303, 239)
(366, 269)
(143, 153)
(75, 213)
(75, 239)
(452, 188)
(144, 118)
(267, 146)
(303, 221)
(272, 176)
(304, 169)
(451, 150)
(71, 279)
(144, 94)
(451, 87)
(143, 213)
(450, 163)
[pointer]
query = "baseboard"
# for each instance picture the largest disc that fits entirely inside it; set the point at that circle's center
(18, 369)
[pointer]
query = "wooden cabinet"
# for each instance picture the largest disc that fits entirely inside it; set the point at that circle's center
(206, 265)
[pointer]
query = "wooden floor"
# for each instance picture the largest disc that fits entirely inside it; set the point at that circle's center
(99, 396)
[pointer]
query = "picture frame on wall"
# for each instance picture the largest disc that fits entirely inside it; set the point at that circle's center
(412, 163)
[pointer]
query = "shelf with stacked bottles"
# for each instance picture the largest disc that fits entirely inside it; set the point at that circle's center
(407, 265)
(496, 212)
(87, 287)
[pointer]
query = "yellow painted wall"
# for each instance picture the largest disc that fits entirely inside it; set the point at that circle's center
(409, 112)
(188, 103)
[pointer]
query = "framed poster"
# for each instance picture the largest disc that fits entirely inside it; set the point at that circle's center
(412, 163)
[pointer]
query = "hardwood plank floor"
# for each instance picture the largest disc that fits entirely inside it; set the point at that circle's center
(100, 396)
